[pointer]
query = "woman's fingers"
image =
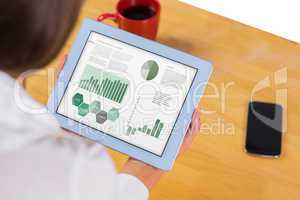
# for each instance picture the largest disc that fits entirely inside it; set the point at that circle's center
(60, 65)
(195, 124)
(191, 132)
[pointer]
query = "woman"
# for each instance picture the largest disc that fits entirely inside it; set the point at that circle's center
(38, 160)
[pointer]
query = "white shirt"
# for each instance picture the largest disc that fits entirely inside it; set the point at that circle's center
(35, 164)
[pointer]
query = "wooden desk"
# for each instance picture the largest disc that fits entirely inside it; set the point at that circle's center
(216, 166)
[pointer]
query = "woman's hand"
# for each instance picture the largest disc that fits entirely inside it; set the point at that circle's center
(150, 175)
(190, 135)
(60, 66)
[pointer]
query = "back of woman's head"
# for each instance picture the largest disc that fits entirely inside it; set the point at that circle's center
(33, 31)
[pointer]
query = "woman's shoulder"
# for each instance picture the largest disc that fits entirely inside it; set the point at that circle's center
(22, 119)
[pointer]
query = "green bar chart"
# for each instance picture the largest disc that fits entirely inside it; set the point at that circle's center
(103, 84)
(154, 132)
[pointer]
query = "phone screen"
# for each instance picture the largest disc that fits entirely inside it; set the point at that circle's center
(264, 129)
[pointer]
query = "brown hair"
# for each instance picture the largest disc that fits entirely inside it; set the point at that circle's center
(33, 31)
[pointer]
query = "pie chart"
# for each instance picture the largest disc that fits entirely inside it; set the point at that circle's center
(149, 70)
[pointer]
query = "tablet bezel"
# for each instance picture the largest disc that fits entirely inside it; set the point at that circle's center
(166, 160)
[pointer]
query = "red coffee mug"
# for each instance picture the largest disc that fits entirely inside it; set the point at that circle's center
(146, 27)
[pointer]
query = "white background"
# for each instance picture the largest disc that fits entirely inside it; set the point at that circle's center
(280, 17)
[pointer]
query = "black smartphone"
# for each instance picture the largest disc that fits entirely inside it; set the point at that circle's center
(264, 129)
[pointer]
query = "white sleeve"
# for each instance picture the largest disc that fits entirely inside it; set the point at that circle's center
(131, 188)
(96, 177)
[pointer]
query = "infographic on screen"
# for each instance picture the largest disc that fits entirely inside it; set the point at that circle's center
(127, 92)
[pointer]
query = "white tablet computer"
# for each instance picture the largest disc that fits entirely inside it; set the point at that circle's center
(128, 93)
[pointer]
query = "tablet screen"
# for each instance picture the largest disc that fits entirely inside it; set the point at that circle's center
(126, 92)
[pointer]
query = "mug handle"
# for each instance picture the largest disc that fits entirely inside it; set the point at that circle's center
(105, 16)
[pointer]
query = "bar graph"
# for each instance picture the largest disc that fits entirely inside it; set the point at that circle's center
(104, 84)
(154, 132)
